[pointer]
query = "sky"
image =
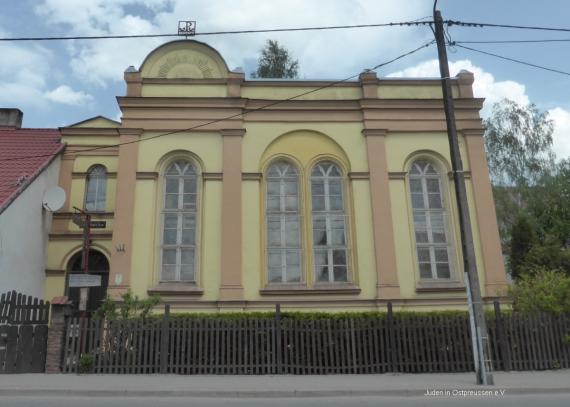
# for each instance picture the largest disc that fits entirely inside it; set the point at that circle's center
(58, 83)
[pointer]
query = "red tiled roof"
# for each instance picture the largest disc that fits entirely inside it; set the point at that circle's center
(16, 175)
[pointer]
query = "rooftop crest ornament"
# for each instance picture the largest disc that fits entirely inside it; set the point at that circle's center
(186, 28)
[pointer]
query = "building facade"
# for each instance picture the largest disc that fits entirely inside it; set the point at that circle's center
(225, 193)
(29, 166)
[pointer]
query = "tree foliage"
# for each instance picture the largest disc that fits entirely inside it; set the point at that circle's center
(276, 62)
(522, 240)
(518, 140)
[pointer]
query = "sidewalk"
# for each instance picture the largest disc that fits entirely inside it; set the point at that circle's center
(411, 385)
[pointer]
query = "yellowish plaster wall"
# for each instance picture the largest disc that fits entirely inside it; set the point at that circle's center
(281, 92)
(413, 92)
(164, 90)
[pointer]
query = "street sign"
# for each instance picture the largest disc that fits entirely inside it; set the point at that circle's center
(98, 224)
(84, 280)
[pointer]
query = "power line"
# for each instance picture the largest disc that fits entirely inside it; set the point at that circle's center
(510, 59)
(514, 41)
(523, 27)
(269, 30)
(237, 114)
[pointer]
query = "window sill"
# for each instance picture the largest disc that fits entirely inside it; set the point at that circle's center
(176, 288)
(439, 286)
(342, 288)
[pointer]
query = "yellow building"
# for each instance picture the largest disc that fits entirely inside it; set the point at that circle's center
(225, 193)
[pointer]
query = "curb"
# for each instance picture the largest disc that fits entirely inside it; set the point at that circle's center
(262, 394)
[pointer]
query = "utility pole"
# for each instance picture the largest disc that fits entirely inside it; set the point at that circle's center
(476, 310)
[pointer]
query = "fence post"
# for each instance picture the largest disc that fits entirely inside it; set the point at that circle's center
(278, 346)
(164, 339)
(502, 337)
(60, 309)
(391, 338)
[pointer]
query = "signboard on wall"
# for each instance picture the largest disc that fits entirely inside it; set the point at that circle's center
(84, 280)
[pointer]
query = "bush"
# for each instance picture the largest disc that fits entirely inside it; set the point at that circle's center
(542, 290)
(85, 363)
(130, 307)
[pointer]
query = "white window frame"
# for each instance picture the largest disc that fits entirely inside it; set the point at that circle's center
(427, 212)
(283, 214)
(97, 179)
(328, 214)
(180, 212)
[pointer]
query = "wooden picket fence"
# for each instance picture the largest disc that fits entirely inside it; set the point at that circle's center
(23, 333)
(394, 343)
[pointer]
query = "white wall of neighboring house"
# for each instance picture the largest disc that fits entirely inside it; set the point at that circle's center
(24, 228)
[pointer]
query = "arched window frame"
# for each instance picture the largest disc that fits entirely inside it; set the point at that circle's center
(283, 222)
(95, 199)
(329, 217)
(182, 268)
(431, 222)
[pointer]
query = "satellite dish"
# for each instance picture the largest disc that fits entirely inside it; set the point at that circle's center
(53, 199)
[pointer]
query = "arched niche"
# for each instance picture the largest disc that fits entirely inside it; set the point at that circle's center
(186, 59)
(98, 264)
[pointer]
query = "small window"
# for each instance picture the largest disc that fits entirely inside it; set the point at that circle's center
(96, 191)
(179, 222)
(430, 221)
(283, 223)
(330, 243)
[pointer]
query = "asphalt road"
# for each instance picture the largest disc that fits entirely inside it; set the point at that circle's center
(542, 400)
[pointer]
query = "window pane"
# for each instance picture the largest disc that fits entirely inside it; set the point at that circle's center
(423, 254)
(441, 255)
(318, 187)
(318, 203)
(338, 237)
(432, 185)
(421, 236)
(339, 257)
(291, 203)
(416, 185)
(190, 185)
(322, 273)
(293, 258)
(335, 187)
(168, 273)
(273, 203)
(319, 222)
(438, 236)
(172, 185)
(169, 256)
(417, 201)
(434, 201)
(189, 201)
(321, 257)
(420, 219)
(292, 238)
(340, 273)
(293, 274)
(275, 275)
(170, 221)
(436, 220)
(187, 256)
(170, 236)
(188, 237)
(274, 258)
(273, 187)
(187, 273)
(335, 203)
(443, 270)
(274, 238)
(425, 270)
(291, 188)
(189, 221)
(319, 237)
(171, 201)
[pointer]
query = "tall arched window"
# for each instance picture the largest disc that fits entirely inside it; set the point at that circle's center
(329, 224)
(283, 223)
(179, 222)
(430, 221)
(96, 190)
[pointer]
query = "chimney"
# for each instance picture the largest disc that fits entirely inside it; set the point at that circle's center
(11, 118)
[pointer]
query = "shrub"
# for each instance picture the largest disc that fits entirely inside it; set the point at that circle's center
(130, 307)
(85, 363)
(543, 290)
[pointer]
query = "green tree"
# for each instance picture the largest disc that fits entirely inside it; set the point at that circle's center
(275, 62)
(522, 240)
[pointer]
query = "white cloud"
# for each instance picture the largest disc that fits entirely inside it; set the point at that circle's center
(66, 95)
(326, 54)
(561, 134)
